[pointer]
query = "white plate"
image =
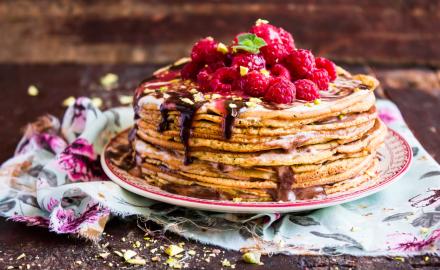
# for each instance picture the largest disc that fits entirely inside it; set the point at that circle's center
(396, 156)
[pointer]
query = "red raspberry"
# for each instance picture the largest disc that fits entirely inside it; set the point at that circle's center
(267, 32)
(249, 60)
(205, 51)
(274, 53)
(300, 63)
(256, 84)
(280, 91)
(328, 65)
(287, 40)
(306, 90)
(279, 70)
(320, 77)
(279, 42)
(223, 78)
(203, 79)
(190, 70)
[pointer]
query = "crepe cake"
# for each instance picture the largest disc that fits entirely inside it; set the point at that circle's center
(232, 142)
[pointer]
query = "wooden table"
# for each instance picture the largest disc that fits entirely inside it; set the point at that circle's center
(415, 90)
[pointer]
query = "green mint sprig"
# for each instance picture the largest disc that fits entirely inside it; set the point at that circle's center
(249, 42)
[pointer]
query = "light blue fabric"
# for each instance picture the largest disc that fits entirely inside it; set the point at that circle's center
(54, 180)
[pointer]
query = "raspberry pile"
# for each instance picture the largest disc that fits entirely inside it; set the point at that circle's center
(262, 63)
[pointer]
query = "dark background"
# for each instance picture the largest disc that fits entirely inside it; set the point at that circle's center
(130, 31)
(64, 47)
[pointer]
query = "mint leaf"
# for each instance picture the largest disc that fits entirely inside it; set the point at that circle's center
(249, 42)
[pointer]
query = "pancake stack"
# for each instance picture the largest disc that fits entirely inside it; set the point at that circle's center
(230, 147)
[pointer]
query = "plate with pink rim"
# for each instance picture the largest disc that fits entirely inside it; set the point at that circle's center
(395, 159)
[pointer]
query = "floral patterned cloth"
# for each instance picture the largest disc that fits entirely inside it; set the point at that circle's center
(55, 180)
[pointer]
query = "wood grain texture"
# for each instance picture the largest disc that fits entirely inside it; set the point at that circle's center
(416, 91)
(131, 31)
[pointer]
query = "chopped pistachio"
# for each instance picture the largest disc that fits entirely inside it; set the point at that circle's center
(237, 199)
(261, 21)
(424, 230)
(252, 257)
(401, 259)
(173, 250)
(192, 252)
(243, 70)
(198, 97)
(104, 255)
(254, 99)
(226, 263)
(147, 238)
(155, 259)
(426, 258)
(341, 116)
(137, 261)
(250, 104)
(215, 96)
(69, 101)
(222, 48)
(308, 104)
(163, 88)
(125, 99)
(237, 98)
(181, 244)
(137, 244)
(317, 101)
(187, 100)
(129, 254)
(97, 102)
(33, 91)
(193, 91)
(22, 255)
(109, 80)
(173, 263)
(265, 72)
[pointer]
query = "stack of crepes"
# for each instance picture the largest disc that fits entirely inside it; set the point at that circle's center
(245, 149)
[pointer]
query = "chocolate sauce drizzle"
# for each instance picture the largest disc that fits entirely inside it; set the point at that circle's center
(187, 112)
(232, 107)
(286, 178)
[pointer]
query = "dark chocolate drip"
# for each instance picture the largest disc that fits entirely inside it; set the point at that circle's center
(286, 178)
(187, 110)
(232, 107)
(284, 191)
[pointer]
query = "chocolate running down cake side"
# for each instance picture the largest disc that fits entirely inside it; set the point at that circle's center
(258, 120)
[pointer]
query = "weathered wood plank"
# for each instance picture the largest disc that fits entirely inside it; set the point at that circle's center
(399, 32)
